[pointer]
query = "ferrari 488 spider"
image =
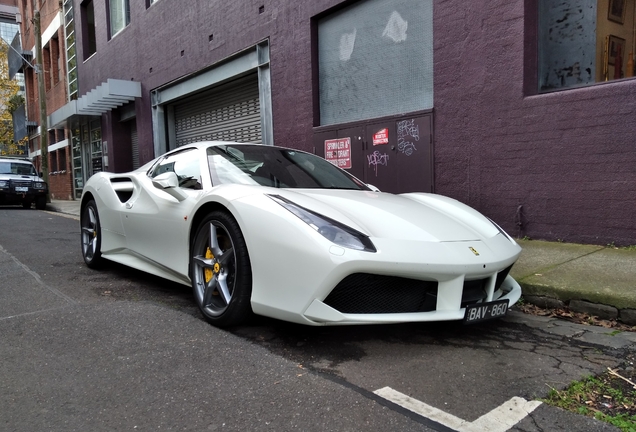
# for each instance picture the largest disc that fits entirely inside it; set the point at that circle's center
(286, 234)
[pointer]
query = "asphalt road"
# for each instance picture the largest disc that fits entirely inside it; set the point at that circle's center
(118, 349)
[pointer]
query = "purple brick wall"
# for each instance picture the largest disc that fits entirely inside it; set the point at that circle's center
(552, 166)
(562, 164)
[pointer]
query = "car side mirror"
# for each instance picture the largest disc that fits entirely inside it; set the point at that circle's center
(169, 183)
(41, 174)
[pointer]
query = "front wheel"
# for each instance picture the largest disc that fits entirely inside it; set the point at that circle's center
(220, 270)
(91, 235)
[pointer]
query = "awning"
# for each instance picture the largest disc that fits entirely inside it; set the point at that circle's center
(103, 98)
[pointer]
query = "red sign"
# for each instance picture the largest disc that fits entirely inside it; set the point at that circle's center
(381, 137)
(338, 152)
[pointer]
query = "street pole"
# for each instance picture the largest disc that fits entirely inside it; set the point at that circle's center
(44, 127)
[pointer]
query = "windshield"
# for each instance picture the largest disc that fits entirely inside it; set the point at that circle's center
(276, 167)
(18, 168)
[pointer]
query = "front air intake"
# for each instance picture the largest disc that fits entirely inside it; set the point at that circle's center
(363, 293)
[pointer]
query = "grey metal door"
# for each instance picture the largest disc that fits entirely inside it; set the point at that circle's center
(395, 155)
(399, 155)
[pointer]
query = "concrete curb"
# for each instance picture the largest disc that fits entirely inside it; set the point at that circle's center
(626, 316)
(592, 279)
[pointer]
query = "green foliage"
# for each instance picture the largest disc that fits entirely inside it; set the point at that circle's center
(8, 92)
(583, 396)
(625, 422)
(15, 102)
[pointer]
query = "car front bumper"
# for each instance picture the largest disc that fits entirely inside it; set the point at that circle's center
(294, 271)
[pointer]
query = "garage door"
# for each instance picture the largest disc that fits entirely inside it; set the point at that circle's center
(229, 112)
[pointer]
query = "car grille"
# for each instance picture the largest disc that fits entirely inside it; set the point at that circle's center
(501, 276)
(475, 290)
(363, 293)
(20, 183)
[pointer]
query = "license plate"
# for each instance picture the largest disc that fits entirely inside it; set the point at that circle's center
(485, 311)
(21, 189)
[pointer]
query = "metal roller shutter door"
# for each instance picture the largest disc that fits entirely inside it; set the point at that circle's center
(229, 112)
(135, 144)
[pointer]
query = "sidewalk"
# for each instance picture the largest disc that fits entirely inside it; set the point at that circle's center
(592, 279)
(65, 206)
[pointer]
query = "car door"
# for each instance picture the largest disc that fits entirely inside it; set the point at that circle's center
(155, 223)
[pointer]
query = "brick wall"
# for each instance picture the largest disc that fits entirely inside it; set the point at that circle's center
(60, 186)
(61, 174)
(557, 166)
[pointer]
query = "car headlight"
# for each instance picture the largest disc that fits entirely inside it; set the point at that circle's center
(4, 184)
(38, 185)
(330, 229)
(505, 234)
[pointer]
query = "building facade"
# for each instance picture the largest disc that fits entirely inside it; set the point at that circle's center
(55, 88)
(522, 109)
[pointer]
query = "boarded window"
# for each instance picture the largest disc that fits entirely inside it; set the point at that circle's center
(375, 58)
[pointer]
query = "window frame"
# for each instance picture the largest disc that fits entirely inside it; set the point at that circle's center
(125, 11)
(89, 45)
(532, 47)
(325, 20)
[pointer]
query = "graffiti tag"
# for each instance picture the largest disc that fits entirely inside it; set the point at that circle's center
(376, 158)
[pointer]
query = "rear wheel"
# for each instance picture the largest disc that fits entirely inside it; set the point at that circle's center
(91, 235)
(220, 270)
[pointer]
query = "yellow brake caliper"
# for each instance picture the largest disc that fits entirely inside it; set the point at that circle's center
(208, 272)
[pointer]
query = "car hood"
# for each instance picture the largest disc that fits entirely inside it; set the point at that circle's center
(18, 177)
(413, 216)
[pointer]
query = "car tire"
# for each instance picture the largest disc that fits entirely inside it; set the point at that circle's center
(91, 235)
(26, 204)
(220, 270)
(40, 203)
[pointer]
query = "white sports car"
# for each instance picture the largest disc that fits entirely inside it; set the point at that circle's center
(286, 234)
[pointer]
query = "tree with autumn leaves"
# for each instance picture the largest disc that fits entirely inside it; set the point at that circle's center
(10, 100)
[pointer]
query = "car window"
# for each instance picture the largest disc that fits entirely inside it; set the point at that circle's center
(276, 167)
(17, 168)
(185, 165)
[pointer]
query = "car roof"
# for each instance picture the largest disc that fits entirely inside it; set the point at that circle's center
(15, 159)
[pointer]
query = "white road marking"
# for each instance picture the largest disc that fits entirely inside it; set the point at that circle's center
(505, 416)
(66, 215)
(500, 419)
